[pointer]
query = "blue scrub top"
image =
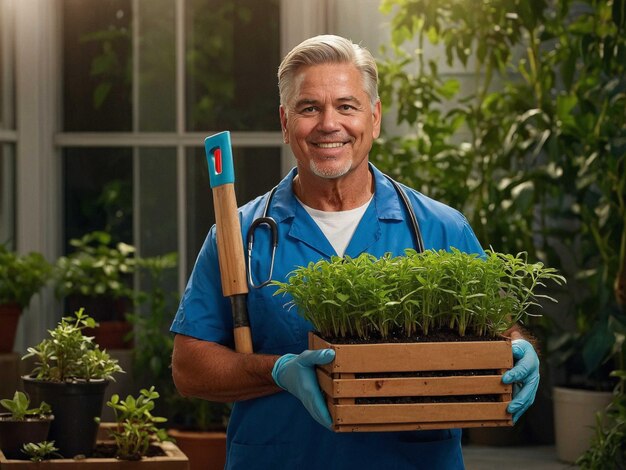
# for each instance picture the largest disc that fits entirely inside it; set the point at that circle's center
(276, 431)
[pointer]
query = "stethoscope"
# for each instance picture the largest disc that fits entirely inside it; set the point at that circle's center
(266, 220)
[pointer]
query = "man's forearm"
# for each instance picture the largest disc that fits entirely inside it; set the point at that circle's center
(214, 372)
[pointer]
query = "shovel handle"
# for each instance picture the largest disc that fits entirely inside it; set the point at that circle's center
(228, 232)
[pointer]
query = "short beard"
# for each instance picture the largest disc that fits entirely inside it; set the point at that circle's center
(330, 173)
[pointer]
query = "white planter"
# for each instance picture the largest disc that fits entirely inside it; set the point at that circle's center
(575, 419)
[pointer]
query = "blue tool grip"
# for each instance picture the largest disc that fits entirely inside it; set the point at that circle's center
(219, 156)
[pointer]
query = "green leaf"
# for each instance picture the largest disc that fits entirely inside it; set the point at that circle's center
(101, 93)
(523, 194)
(597, 345)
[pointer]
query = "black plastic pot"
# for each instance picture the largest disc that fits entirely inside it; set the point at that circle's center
(75, 405)
(15, 433)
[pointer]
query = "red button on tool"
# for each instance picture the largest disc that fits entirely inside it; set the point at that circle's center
(218, 160)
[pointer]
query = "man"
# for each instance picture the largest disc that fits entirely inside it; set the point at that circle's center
(333, 203)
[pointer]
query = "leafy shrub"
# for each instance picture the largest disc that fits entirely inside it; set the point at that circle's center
(69, 355)
(415, 294)
(96, 267)
(21, 276)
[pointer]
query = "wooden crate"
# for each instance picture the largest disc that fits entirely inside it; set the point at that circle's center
(424, 365)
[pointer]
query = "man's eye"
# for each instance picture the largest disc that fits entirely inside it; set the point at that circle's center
(346, 107)
(308, 109)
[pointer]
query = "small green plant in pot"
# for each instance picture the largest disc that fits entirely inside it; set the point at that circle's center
(21, 277)
(22, 424)
(418, 339)
(71, 373)
(136, 428)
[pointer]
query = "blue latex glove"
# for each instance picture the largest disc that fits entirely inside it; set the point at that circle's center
(296, 374)
(524, 376)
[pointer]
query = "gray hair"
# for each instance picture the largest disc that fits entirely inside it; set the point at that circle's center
(326, 49)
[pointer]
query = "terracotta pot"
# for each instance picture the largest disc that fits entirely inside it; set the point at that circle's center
(430, 373)
(100, 307)
(173, 459)
(205, 450)
(9, 319)
(111, 334)
(575, 419)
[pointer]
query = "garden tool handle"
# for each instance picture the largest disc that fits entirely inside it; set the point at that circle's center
(230, 250)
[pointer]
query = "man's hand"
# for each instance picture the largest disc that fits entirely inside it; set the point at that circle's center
(296, 374)
(524, 376)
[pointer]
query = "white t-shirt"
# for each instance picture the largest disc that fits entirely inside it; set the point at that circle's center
(338, 227)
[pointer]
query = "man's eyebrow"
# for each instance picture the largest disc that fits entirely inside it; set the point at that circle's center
(305, 102)
(349, 99)
(343, 99)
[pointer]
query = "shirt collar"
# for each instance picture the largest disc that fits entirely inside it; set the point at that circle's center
(386, 200)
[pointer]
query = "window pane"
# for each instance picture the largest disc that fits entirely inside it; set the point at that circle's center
(97, 65)
(257, 170)
(157, 201)
(7, 97)
(362, 22)
(157, 66)
(158, 223)
(7, 195)
(98, 192)
(233, 53)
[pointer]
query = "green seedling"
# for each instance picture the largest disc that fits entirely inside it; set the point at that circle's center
(38, 452)
(416, 294)
(19, 407)
(136, 426)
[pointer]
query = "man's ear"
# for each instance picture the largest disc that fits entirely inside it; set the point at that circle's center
(377, 119)
(283, 124)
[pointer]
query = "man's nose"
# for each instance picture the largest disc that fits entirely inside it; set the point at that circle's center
(329, 120)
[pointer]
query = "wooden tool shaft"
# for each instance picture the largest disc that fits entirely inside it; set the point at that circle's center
(229, 242)
(232, 263)
(243, 339)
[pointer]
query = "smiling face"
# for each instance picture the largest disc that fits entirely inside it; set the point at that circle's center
(329, 122)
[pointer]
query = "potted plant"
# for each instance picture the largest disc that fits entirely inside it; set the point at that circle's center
(22, 424)
(71, 374)
(135, 428)
(134, 440)
(97, 275)
(198, 426)
(437, 319)
(608, 445)
(21, 277)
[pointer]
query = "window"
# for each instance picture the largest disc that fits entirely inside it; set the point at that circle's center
(144, 82)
